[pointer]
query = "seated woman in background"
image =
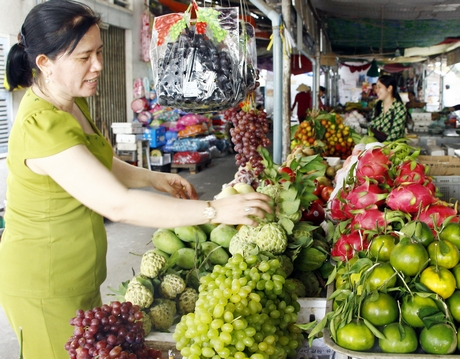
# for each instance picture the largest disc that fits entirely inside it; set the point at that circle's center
(389, 114)
(413, 102)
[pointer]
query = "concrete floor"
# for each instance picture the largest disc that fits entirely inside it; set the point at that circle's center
(126, 242)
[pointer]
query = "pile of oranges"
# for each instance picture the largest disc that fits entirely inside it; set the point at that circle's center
(326, 132)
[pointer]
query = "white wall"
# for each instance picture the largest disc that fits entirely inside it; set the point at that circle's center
(130, 20)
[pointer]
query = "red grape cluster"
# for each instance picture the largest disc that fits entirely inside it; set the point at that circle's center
(114, 330)
(249, 132)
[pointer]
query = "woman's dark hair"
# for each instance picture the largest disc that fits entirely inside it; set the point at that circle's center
(51, 28)
(387, 81)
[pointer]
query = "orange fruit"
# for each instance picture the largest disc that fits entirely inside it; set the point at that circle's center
(355, 336)
(443, 253)
(380, 309)
(381, 247)
(382, 276)
(453, 303)
(394, 342)
(451, 233)
(440, 339)
(410, 307)
(409, 257)
(439, 280)
(456, 272)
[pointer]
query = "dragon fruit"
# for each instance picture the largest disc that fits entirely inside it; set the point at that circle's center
(347, 245)
(410, 172)
(374, 164)
(410, 198)
(367, 195)
(340, 207)
(436, 214)
(373, 219)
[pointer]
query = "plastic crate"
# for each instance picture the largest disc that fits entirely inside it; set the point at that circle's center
(449, 186)
(156, 136)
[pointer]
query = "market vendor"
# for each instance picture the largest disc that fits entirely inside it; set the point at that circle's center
(389, 113)
(413, 102)
(303, 102)
(63, 179)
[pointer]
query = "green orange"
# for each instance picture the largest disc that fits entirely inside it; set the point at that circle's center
(439, 339)
(409, 257)
(451, 233)
(443, 253)
(396, 343)
(381, 247)
(453, 303)
(439, 280)
(380, 308)
(410, 307)
(355, 336)
(381, 276)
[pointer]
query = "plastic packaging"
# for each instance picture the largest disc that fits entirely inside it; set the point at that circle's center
(196, 64)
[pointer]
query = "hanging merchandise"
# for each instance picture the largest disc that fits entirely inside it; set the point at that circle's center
(197, 63)
(145, 37)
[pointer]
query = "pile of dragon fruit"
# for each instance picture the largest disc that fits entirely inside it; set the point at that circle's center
(385, 189)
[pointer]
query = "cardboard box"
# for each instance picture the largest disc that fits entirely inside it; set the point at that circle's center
(160, 160)
(127, 127)
(128, 138)
(441, 165)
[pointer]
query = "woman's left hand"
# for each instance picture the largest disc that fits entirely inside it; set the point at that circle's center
(175, 185)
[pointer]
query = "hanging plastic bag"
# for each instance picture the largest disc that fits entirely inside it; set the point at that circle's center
(195, 63)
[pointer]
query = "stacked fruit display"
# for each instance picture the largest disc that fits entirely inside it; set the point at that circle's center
(245, 309)
(397, 249)
(168, 278)
(326, 133)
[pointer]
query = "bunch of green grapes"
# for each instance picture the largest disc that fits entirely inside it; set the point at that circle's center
(245, 309)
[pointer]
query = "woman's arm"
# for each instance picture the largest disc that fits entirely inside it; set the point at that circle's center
(137, 177)
(78, 172)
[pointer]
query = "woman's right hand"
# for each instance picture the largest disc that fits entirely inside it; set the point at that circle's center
(242, 208)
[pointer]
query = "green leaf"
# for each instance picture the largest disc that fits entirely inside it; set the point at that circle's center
(287, 224)
(332, 276)
(431, 316)
(289, 194)
(443, 247)
(290, 207)
(373, 329)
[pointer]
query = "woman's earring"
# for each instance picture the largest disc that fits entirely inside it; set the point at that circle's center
(47, 80)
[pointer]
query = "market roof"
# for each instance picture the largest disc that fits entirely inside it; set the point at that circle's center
(377, 29)
(381, 27)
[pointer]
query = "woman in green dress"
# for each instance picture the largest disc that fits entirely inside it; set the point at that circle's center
(63, 179)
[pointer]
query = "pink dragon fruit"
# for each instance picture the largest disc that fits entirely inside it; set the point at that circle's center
(436, 214)
(374, 164)
(348, 244)
(374, 219)
(366, 196)
(339, 207)
(410, 198)
(410, 172)
(430, 185)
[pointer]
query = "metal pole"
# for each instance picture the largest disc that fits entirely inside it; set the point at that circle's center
(277, 78)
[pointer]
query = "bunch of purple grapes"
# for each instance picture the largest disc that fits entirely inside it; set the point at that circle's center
(249, 132)
(111, 331)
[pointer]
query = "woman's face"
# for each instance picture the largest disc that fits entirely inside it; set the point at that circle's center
(383, 92)
(77, 74)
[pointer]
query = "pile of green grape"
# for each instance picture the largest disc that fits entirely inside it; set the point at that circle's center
(245, 309)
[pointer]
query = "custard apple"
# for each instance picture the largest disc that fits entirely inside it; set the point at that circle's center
(161, 316)
(151, 264)
(271, 238)
(187, 300)
(171, 286)
(139, 295)
(241, 244)
(146, 323)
